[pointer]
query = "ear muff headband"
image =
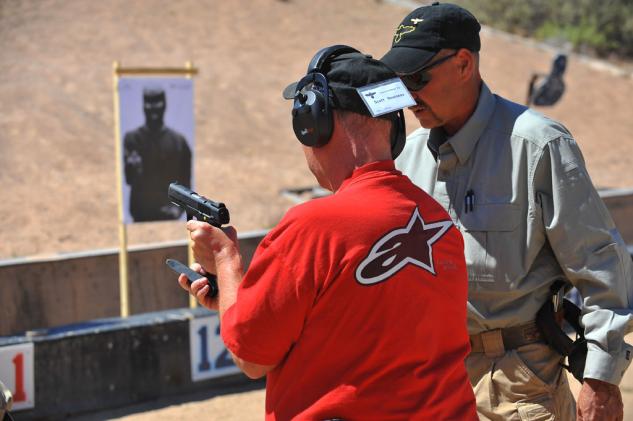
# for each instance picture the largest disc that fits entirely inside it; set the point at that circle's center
(324, 53)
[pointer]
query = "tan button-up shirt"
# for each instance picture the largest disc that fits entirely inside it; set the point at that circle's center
(516, 185)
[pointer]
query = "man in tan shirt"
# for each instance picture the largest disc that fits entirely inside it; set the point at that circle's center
(515, 184)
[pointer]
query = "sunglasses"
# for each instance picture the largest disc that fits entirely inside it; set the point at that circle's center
(418, 80)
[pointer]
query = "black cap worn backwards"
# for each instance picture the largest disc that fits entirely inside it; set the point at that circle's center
(427, 30)
(345, 73)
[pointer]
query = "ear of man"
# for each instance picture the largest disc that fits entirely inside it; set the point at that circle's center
(464, 62)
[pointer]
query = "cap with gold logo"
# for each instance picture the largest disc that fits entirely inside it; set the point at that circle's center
(427, 30)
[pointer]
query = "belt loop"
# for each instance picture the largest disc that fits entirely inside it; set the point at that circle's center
(493, 343)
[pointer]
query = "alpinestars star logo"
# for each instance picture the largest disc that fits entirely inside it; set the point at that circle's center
(412, 244)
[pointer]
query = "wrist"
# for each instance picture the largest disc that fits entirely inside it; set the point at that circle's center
(599, 384)
(229, 275)
(228, 259)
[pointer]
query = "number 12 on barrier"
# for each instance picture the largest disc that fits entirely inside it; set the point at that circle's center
(209, 357)
(16, 372)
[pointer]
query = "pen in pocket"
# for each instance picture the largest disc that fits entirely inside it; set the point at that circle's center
(469, 201)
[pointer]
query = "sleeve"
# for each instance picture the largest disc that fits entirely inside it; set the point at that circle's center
(591, 253)
(272, 304)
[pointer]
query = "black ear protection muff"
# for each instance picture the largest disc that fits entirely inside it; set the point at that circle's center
(311, 112)
(312, 119)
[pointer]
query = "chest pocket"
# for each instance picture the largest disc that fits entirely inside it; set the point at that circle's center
(491, 242)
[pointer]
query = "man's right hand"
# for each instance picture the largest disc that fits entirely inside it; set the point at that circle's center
(599, 401)
(217, 250)
(213, 246)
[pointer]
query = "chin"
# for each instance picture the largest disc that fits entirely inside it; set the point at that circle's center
(429, 124)
(429, 121)
(425, 119)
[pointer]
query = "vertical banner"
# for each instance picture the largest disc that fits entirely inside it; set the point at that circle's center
(209, 356)
(156, 123)
(17, 373)
(154, 135)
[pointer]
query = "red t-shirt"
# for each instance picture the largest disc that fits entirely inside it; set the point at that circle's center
(359, 300)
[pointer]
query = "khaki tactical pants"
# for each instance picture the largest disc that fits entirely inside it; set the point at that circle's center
(521, 384)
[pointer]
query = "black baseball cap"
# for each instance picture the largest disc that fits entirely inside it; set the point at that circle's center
(345, 73)
(426, 31)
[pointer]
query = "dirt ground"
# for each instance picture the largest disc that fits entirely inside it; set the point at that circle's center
(57, 151)
(248, 404)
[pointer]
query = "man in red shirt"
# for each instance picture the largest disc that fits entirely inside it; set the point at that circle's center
(354, 306)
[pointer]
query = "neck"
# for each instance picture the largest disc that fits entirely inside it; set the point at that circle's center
(349, 150)
(469, 101)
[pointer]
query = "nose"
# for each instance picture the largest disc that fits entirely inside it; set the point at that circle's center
(417, 98)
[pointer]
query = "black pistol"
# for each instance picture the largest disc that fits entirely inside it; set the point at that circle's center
(202, 209)
(198, 207)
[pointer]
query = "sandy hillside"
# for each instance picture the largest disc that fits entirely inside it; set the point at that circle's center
(57, 157)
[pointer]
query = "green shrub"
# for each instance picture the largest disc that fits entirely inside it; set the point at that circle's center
(603, 27)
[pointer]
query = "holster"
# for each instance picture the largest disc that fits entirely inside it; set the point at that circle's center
(556, 338)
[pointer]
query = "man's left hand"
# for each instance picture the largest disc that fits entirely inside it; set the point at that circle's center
(599, 401)
(199, 288)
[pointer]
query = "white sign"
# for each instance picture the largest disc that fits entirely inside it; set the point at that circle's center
(156, 117)
(16, 372)
(386, 96)
(209, 357)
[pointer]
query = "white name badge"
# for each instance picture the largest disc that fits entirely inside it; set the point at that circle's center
(386, 96)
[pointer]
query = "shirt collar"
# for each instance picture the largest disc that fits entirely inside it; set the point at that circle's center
(367, 171)
(437, 137)
(463, 142)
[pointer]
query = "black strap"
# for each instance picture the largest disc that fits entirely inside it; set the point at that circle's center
(557, 338)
